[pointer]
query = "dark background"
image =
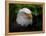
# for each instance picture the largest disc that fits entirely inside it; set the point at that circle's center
(37, 19)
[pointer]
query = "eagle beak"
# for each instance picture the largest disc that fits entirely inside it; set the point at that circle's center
(29, 16)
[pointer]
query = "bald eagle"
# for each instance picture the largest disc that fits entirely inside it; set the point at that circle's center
(24, 17)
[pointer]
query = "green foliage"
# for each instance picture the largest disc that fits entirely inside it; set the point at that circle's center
(34, 8)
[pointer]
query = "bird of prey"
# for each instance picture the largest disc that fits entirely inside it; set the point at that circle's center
(24, 17)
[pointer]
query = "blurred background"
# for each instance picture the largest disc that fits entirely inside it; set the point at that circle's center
(36, 12)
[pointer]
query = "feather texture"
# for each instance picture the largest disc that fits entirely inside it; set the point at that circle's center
(22, 19)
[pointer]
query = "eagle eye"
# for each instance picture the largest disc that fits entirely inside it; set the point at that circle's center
(25, 13)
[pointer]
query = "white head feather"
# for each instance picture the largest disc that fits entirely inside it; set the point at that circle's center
(22, 19)
(26, 10)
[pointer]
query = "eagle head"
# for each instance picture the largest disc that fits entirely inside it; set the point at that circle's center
(24, 17)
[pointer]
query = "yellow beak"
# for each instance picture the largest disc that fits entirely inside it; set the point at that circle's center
(29, 16)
